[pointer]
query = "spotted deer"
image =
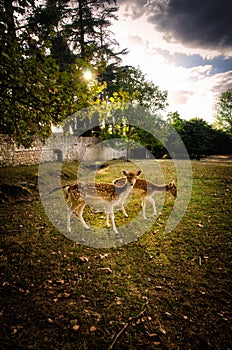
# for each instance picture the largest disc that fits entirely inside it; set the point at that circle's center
(99, 194)
(146, 190)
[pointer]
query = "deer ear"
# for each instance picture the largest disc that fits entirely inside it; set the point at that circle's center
(124, 172)
(139, 172)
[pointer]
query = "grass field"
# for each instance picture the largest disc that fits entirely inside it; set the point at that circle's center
(160, 291)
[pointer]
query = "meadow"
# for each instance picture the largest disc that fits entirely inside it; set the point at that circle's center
(88, 290)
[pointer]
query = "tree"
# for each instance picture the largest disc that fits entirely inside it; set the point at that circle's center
(77, 28)
(197, 138)
(130, 109)
(223, 117)
(34, 93)
(132, 84)
(200, 138)
(175, 120)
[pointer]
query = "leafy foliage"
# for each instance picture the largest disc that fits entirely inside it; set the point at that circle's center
(36, 95)
(223, 118)
(38, 88)
(200, 138)
(131, 83)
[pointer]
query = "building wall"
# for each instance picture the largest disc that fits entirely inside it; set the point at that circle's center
(57, 148)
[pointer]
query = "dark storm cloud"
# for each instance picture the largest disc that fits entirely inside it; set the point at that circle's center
(219, 63)
(195, 23)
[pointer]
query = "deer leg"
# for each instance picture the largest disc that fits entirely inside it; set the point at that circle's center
(144, 208)
(69, 213)
(79, 210)
(113, 223)
(80, 213)
(151, 200)
(124, 210)
(110, 212)
(107, 219)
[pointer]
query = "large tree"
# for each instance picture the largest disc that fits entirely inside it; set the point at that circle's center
(129, 105)
(133, 85)
(223, 117)
(77, 28)
(34, 92)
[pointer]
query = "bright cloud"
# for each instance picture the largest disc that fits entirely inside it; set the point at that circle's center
(187, 72)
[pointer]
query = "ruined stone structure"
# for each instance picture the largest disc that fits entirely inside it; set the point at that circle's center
(58, 148)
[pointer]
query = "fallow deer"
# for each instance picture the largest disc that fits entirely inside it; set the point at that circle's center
(99, 194)
(146, 190)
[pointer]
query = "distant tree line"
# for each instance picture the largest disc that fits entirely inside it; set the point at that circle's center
(200, 138)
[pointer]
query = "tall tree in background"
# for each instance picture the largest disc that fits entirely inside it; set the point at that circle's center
(133, 85)
(223, 117)
(78, 29)
(88, 29)
(130, 104)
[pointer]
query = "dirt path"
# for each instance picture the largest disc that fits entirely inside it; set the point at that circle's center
(223, 158)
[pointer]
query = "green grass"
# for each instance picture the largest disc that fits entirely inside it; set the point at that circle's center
(161, 291)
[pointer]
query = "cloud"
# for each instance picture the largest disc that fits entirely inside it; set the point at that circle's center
(135, 39)
(193, 23)
(194, 62)
(219, 63)
(133, 9)
(198, 98)
(181, 96)
(222, 82)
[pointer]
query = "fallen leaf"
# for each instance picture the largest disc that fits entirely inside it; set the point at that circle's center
(93, 329)
(102, 256)
(158, 287)
(118, 301)
(168, 313)
(14, 331)
(151, 335)
(162, 330)
(106, 269)
(60, 281)
(76, 327)
(84, 259)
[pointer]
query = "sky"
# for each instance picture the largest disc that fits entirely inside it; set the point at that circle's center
(183, 46)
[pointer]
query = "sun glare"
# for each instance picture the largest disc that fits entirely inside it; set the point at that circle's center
(88, 75)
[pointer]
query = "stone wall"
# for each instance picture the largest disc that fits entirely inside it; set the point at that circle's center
(57, 148)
